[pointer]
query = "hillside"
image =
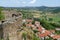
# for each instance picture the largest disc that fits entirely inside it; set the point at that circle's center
(33, 20)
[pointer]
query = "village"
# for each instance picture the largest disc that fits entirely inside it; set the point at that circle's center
(42, 32)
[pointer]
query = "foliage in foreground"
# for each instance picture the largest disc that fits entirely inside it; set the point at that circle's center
(1, 14)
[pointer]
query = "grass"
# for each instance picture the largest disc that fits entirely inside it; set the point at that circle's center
(1, 39)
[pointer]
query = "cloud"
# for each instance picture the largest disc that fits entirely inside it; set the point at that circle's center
(33, 1)
(24, 2)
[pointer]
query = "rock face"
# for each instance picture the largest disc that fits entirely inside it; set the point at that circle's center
(11, 26)
(10, 30)
(8, 14)
(1, 31)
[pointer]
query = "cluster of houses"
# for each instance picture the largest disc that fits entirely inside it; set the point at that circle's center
(42, 32)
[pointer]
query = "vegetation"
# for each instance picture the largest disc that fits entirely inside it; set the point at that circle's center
(56, 25)
(1, 14)
(57, 32)
(48, 38)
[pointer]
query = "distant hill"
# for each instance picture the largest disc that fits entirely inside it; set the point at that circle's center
(49, 9)
(41, 8)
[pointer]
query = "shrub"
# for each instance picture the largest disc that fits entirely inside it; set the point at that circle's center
(57, 32)
(55, 25)
(35, 37)
(1, 14)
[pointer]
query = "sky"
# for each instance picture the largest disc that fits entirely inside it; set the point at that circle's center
(29, 3)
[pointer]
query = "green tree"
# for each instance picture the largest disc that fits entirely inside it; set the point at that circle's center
(1, 14)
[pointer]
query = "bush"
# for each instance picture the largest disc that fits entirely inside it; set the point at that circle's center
(35, 37)
(55, 25)
(50, 19)
(24, 35)
(57, 32)
(1, 14)
(49, 38)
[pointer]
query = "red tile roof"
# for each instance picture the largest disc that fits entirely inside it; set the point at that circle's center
(45, 34)
(29, 20)
(40, 29)
(53, 31)
(56, 36)
(36, 22)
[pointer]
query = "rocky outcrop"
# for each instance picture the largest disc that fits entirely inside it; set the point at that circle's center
(10, 25)
(10, 29)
